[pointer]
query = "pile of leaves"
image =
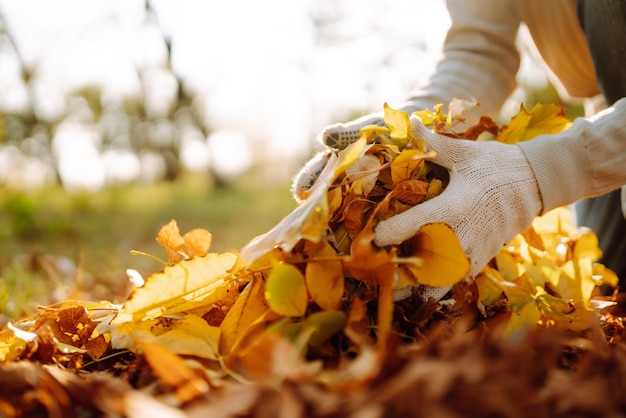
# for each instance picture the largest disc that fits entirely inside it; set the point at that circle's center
(314, 319)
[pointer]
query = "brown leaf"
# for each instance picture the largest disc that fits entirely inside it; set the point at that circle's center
(355, 215)
(374, 266)
(410, 192)
(485, 124)
(97, 347)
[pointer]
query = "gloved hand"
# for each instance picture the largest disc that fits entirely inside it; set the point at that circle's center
(491, 197)
(340, 135)
(336, 137)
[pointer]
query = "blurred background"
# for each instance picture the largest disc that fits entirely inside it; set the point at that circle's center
(119, 115)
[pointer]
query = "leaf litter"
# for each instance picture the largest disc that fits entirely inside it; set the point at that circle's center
(306, 320)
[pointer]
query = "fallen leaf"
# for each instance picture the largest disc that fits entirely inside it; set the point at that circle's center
(405, 163)
(174, 371)
(285, 291)
(248, 311)
(363, 174)
(325, 279)
(183, 286)
(442, 259)
(540, 120)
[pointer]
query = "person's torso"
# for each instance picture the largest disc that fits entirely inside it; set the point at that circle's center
(561, 43)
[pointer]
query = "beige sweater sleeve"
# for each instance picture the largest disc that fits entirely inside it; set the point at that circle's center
(586, 160)
(480, 61)
(480, 57)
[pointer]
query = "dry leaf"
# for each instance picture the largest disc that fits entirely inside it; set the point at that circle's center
(325, 279)
(541, 119)
(285, 291)
(442, 261)
(173, 371)
(201, 281)
(248, 311)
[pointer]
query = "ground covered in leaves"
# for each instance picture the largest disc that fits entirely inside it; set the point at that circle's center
(312, 319)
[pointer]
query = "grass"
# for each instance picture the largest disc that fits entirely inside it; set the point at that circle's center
(56, 246)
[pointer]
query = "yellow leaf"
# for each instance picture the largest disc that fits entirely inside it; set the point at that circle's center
(428, 117)
(435, 187)
(508, 267)
(312, 213)
(443, 262)
(310, 219)
(403, 165)
(558, 221)
(564, 313)
(180, 287)
(371, 132)
(248, 311)
(489, 290)
(541, 119)
(190, 335)
(587, 246)
(347, 157)
(521, 320)
(364, 172)
(576, 281)
(603, 275)
(517, 297)
(399, 126)
(285, 291)
(324, 279)
(543, 272)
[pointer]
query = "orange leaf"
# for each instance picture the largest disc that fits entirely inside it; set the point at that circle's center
(173, 371)
(410, 192)
(324, 279)
(169, 237)
(197, 242)
(374, 266)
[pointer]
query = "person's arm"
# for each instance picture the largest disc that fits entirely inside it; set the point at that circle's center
(496, 190)
(479, 62)
(480, 58)
(586, 160)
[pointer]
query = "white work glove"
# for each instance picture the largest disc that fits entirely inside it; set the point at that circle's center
(491, 197)
(334, 137)
(340, 135)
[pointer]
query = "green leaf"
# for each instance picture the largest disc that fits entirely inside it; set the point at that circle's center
(325, 324)
(285, 291)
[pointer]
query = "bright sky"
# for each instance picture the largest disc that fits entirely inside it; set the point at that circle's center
(269, 77)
